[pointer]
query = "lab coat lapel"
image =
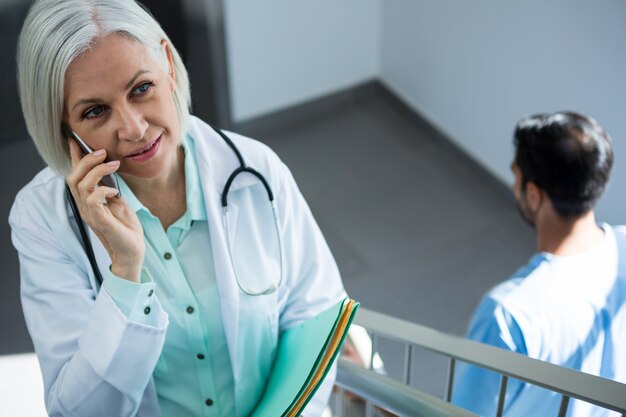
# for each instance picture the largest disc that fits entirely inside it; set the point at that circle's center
(214, 166)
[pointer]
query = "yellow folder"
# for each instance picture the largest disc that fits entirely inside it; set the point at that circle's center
(304, 355)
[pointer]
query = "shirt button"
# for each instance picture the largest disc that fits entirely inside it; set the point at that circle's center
(150, 293)
(146, 310)
(209, 402)
(190, 310)
(200, 356)
(167, 256)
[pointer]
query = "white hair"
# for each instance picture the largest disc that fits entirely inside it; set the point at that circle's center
(55, 33)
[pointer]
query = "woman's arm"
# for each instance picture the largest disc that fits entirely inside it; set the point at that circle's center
(94, 360)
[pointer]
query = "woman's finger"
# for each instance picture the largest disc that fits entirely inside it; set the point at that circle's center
(75, 157)
(91, 180)
(75, 152)
(99, 213)
(121, 210)
(81, 165)
(101, 194)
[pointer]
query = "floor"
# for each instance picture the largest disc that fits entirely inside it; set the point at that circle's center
(419, 231)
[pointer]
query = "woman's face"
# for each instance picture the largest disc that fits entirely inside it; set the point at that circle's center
(118, 98)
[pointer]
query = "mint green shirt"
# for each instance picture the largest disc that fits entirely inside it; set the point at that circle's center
(193, 376)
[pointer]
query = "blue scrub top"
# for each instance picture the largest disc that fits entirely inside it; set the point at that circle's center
(566, 310)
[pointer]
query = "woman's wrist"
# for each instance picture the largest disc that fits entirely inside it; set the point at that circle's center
(130, 273)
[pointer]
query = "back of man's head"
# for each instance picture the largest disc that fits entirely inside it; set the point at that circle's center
(567, 155)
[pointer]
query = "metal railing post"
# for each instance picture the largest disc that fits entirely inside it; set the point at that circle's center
(449, 388)
(339, 402)
(502, 396)
(408, 363)
(563, 407)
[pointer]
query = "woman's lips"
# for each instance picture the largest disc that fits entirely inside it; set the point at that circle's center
(148, 153)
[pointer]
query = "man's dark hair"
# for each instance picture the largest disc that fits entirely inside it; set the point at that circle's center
(566, 154)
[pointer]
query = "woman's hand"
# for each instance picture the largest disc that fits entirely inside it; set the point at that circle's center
(114, 222)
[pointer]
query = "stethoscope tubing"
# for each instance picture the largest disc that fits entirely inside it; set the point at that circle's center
(88, 247)
(85, 237)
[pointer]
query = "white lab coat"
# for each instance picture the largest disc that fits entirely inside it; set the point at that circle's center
(94, 361)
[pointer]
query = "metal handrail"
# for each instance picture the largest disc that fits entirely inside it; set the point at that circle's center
(392, 395)
(570, 383)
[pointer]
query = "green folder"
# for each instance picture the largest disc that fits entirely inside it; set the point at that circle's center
(304, 355)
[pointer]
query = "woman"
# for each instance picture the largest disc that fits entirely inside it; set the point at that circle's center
(194, 296)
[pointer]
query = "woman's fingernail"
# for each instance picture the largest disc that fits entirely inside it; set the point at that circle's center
(113, 163)
(99, 152)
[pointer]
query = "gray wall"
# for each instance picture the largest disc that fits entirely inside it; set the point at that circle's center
(474, 68)
(281, 53)
(12, 14)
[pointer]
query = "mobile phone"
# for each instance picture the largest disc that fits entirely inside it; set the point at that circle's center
(107, 180)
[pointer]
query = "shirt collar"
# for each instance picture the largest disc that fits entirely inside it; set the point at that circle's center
(195, 200)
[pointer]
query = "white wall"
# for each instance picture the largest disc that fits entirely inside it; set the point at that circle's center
(285, 52)
(475, 67)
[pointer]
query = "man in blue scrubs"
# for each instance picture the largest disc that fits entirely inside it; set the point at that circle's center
(567, 305)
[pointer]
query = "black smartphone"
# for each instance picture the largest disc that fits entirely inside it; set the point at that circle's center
(107, 180)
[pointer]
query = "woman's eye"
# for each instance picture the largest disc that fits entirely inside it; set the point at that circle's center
(142, 89)
(93, 112)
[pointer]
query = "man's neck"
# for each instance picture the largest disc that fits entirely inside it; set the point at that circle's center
(567, 237)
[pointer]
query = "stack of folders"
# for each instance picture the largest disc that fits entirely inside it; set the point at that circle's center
(304, 356)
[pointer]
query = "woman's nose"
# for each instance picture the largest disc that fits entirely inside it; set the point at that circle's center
(131, 124)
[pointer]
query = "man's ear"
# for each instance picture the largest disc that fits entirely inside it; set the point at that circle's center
(170, 61)
(534, 196)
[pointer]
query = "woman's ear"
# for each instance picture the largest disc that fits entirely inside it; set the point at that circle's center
(534, 196)
(170, 61)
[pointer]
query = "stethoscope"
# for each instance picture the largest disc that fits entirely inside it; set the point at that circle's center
(243, 168)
